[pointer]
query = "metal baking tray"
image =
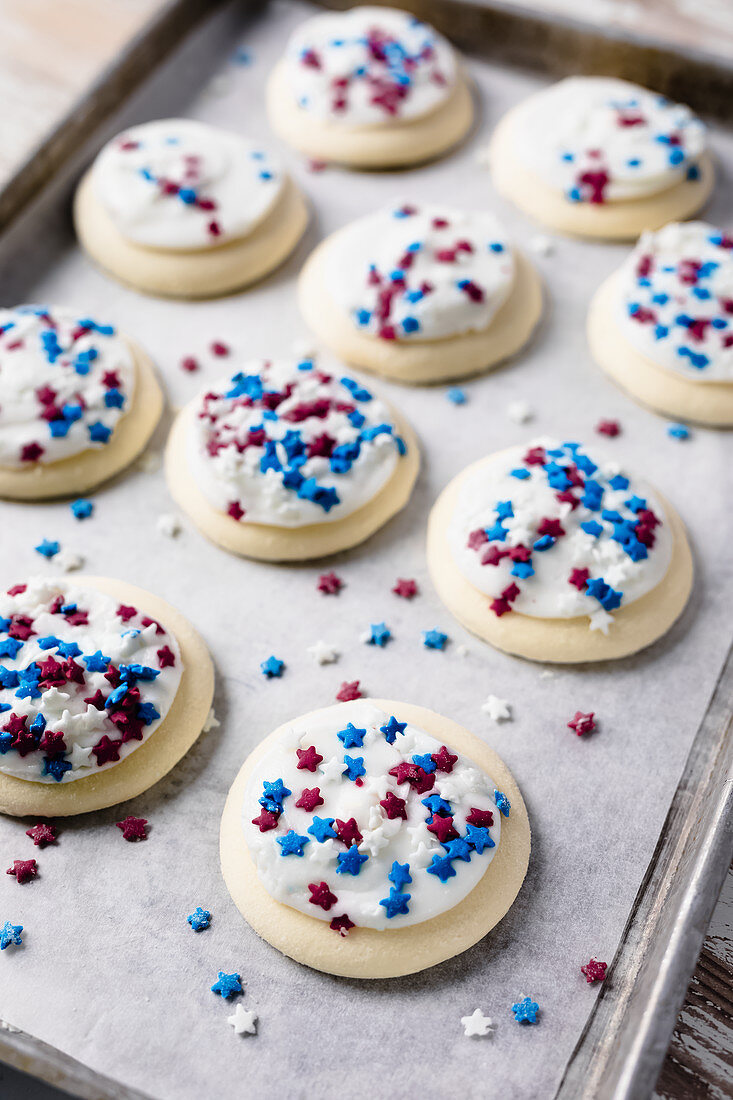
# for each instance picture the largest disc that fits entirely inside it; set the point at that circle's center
(621, 1049)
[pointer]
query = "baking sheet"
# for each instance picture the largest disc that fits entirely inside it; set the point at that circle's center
(110, 971)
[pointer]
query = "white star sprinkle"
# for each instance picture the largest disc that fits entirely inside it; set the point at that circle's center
(422, 855)
(462, 651)
(323, 852)
(323, 653)
(379, 785)
(475, 1024)
(542, 245)
(600, 620)
(331, 770)
(243, 1021)
(68, 561)
(79, 757)
(519, 412)
(497, 709)
(211, 723)
(168, 525)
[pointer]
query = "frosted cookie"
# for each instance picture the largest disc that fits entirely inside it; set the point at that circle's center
(78, 402)
(662, 325)
(599, 157)
(372, 839)
(282, 461)
(182, 209)
(552, 553)
(371, 87)
(421, 293)
(103, 688)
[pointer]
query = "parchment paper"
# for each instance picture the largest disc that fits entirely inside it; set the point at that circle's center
(110, 971)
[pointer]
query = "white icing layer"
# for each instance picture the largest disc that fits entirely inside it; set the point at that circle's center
(180, 184)
(599, 139)
(420, 273)
(281, 442)
(65, 381)
(676, 300)
(531, 518)
(368, 65)
(84, 680)
(371, 826)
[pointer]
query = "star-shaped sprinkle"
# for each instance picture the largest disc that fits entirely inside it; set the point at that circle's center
(456, 396)
(391, 730)
(482, 818)
(394, 807)
(323, 653)
(308, 759)
(48, 548)
(350, 863)
(331, 770)
(133, 828)
(434, 639)
(582, 723)
(444, 760)
(396, 904)
(348, 832)
(379, 634)
(227, 985)
(443, 828)
(292, 844)
(200, 919)
(354, 767)
(399, 875)
(525, 1011)
(322, 828)
(497, 709)
(42, 834)
(477, 837)
(10, 934)
(594, 971)
(351, 736)
(600, 620)
(502, 803)
(330, 584)
(81, 508)
(608, 428)
(405, 588)
(23, 870)
(309, 799)
(442, 868)
(321, 895)
(349, 690)
(243, 1020)
(519, 411)
(272, 668)
(476, 1023)
(678, 431)
(211, 723)
(342, 925)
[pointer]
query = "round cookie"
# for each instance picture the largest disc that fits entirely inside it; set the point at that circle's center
(551, 554)
(403, 866)
(181, 209)
(284, 462)
(421, 294)
(103, 688)
(600, 157)
(662, 325)
(78, 402)
(371, 87)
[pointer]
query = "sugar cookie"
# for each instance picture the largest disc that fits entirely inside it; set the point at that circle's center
(103, 688)
(182, 209)
(372, 839)
(284, 462)
(662, 325)
(421, 293)
(78, 402)
(551, 554)
(371, 87)
(595, 156)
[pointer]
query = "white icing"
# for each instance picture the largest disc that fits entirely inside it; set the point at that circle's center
(384, 840)
(368, 65)
(676, 300)
(548, 593)
(318, 409)
(596, 127)
(124, 641)
(420, 273)
(180, 184)
(62, 363)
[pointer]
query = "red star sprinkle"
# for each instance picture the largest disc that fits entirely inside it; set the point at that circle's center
(342, 925)
(582, 723)
(330, 584)
(416, 776)
(42, 834)
(309, 799)
(52, 742)
(349, 690)
(219, 349)
(321, 895)
(442, 827)
(579, 577)
(265, 821)
(308, 759)
(551, 527)
(594, 971)
(443, 759)
(499, 607)
(23, 870)
(394, 806)
(106, 750)
(493, 556)
(189, 364)
(166, 657)
(31, 452)
(407, 589)
(20, 628)
(483, 818)
(477, 538)
(235, 510)
(97, 700)
(610, 428)
(133, 828)
(126, 612)
(348, 832)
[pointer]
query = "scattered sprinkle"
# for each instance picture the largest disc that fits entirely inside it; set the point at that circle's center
(349, 690)
(497, 709)
(434, 639)
(81, 508)
(42, 834)
(23, 870)
(678, 431)
(133, 828)
(200, 919)
(227, 985)
(68, 561)
(476, 1023)
(272, 668)
(456, 396)
(323, 653)
(330, 584)
(242, 56)
(462, 651)
(189, 364)
(594, 971)
(316, 165)
(211, 723)
(519, 411)
(525, 1011)
(542, 245)
(243, 1021)
(219, 349)
(48, 548)
(582, 723)
(168, 525)
(611, 428)
(10, 934)
(378, 634)
(405, 588)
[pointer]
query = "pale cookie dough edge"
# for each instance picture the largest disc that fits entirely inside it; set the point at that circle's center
(427, 361)
(151, 760)
(266, 542)
(81, 472)
(366, 952)
(561, 641)
(657, 387)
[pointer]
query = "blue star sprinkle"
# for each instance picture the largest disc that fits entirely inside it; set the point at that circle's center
(48, 548)
(478, 837)
(442, 868)
(350, 863)
(399, 876)
(292, 844)
(227, 985)
(351, 737)
(321, 828)
(678, 431)
(391, 730)
(272, 668)
(434, 639)
(98, 432)
(96, 662)
(396, 904)
(354, 767)
(525, 1011)
(502, 803)
(456, 396)
(459, 849)
(273, 795)
(425, 762)
(379, 634)
(199, 920)
(436, 804)
(81, 508)
(10, 934)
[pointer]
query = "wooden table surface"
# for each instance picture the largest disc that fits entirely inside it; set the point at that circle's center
(51, 53)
